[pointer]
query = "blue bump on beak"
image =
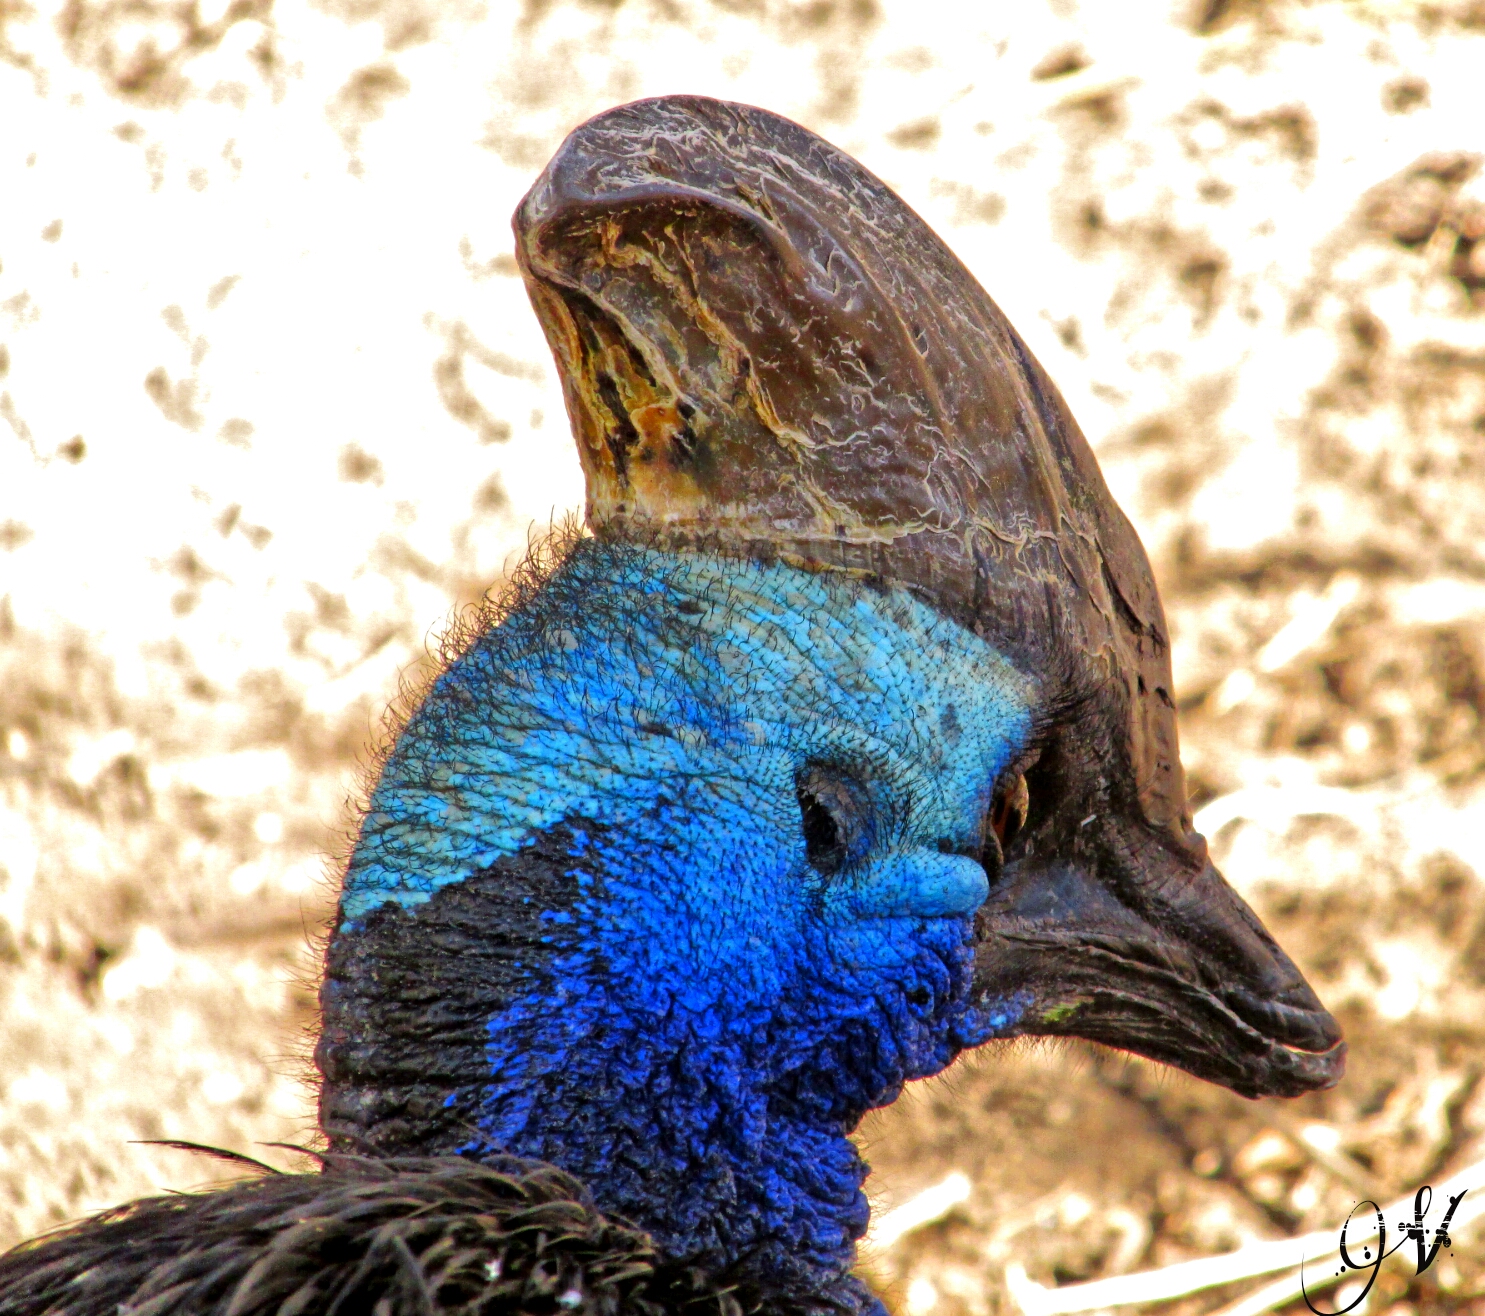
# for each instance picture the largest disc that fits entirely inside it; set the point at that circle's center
(918, 884)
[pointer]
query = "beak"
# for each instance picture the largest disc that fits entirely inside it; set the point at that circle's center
(1105, 928)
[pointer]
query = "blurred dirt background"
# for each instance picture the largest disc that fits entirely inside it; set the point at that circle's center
(272, 404)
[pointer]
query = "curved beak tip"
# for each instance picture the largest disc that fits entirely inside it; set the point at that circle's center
(1180, 973)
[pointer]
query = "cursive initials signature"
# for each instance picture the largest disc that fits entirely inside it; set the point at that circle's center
(1414, 1232)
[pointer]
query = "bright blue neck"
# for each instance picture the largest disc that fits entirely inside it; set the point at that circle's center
(723, 989)
(717, 1123)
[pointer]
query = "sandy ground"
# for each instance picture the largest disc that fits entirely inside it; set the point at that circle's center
(272, 404)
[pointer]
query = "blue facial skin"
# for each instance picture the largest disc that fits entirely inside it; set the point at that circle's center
(777, 783)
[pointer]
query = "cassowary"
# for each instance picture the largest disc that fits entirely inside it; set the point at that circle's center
(843, 742)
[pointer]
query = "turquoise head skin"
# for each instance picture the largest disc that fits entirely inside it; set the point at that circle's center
(726, 679)
(773, 787)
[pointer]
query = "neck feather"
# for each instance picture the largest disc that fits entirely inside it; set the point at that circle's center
(581, 926)
(724, 1137)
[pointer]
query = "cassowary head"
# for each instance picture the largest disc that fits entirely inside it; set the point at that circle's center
(844, 742)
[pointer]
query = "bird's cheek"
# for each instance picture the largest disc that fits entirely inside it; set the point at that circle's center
(914, 884)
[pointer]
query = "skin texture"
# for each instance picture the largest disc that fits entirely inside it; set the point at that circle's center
(715, 999)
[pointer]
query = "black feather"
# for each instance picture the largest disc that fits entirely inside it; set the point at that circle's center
(403, 1236)
(216, 1153)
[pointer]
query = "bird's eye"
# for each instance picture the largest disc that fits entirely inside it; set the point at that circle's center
(833, 814)
(1008, 811)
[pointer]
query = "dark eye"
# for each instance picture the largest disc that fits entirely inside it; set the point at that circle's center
(1008, 811)
(833, 813)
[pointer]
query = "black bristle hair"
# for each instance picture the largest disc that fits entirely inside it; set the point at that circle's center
(403, 1236)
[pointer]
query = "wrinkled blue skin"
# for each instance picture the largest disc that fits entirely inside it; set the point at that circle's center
(715, 1015)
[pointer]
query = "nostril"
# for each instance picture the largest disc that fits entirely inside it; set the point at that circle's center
(919, 997)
